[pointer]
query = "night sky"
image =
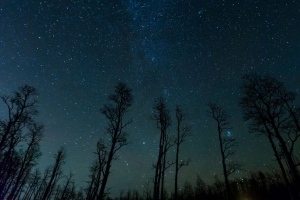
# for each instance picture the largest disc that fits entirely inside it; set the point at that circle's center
(188, 51)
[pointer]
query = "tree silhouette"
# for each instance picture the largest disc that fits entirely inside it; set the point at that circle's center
(147, 191)
(68, 188)
(20, 135)
(21, 110)
(227, 143)
(187, 192)
(266, 104)
(200, 188)
(270, 109)
(32, 185)
(97, 170)
(121, 101)
(182, 134)
(28, 158)
(161, 115)
(56, 172)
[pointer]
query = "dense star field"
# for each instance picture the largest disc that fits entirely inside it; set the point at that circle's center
(189, 52)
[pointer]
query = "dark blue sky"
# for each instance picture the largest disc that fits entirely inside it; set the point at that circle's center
(191, 52)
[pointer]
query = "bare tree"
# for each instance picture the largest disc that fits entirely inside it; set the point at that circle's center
(67, 188)
(227, 143)
(161, 115)
(42, 184)
(182, 134)
(19, 138)
(121, 101)
(270, 109)
(91, 191)
(21, 110)
(28, 158)
(97, 170)
(32, 185)
(147, 191)
(56, 172)
(200, 188)
(187, 192)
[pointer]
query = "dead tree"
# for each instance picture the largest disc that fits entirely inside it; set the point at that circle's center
(97, 170)
(42, 184)
(65, 193)
(28, 158)
(182, 134)
(161, 115)
(270, 109)
(91, 191)
(32, 185)
(226, 142)
(56, 172)
(21, 110)
(121, 100)
(147, 191)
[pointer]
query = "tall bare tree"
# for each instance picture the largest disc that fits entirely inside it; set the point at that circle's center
(21, 111)
(56, 172)
(97, 170)
(121, 100)
(182, 133)
(226, 142)
(28, 158)
(19, 138)
(32, 185)
(67, 188)
(270, 109)
(42, 184)
(161, 115)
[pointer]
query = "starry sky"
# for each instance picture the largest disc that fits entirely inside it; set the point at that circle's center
(188, 51)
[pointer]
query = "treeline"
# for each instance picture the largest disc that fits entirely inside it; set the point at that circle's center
(254, 186)
(267, 105)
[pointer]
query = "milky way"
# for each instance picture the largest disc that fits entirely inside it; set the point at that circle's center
(190, 52)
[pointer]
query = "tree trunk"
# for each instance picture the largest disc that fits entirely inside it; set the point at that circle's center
(107, 170)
